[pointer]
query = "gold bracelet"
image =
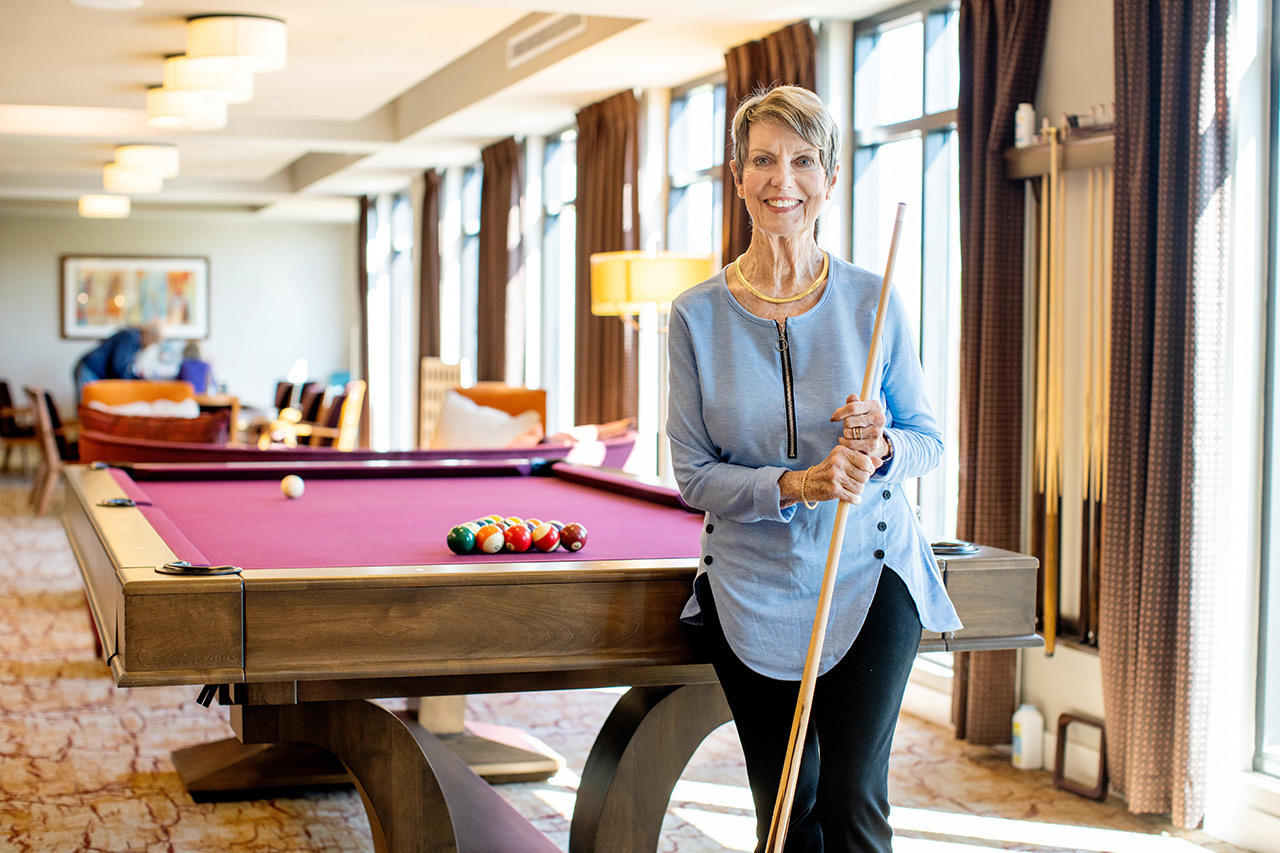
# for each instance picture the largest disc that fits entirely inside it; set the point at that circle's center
(803, 480)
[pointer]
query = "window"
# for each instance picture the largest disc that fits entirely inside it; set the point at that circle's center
(390, 332)
(469, 268)
(559, 275)
(696, 158)
(906, 88)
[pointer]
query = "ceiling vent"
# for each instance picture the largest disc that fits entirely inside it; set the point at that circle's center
(542, 37)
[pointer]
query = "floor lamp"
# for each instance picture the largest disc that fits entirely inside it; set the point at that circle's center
(637, 287)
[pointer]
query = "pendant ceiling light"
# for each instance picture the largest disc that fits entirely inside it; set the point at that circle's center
(254, 41)
(180, 111)
(118, 179)
(227, 81)
(104, 206)
(162, 159)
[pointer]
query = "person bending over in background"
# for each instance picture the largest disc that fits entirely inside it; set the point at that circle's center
(117, 356)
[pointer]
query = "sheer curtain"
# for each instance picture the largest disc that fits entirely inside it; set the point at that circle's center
(608, 220)
(790, 57)
(1001, 44)
(1168, 356)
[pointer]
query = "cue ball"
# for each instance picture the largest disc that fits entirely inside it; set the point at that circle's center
(573, 537)
(292, 486)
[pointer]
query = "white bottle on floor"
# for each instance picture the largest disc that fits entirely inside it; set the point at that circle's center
(1028, 738)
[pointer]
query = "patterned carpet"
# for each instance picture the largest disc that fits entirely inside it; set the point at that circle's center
(86, 765)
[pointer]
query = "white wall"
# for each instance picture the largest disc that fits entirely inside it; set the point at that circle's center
(279, 291)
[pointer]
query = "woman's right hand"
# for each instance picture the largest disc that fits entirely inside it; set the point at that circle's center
(841, 476)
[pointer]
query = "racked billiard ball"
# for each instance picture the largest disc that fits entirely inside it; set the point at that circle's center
(518, 538)
(573, 536)
(490, 539)
(545, 537)
(461, 539)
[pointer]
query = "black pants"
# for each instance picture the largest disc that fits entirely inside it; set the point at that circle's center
(841, 803)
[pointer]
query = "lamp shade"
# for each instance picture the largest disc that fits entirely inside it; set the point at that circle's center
(181, 111)
(626, 282)
(255, 41)
(118, 179)
(104, 206)
(162, 159)
(229, 82)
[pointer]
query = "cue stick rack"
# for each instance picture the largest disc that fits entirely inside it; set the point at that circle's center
(1068, 259)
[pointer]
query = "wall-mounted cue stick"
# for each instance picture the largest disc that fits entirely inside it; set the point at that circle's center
(800, 722)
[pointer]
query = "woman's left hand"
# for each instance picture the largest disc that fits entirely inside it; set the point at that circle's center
(863, 430)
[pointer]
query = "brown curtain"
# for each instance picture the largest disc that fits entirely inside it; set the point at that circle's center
(787, 57)
(362, 302)
(1001, 44)
(501, 257)
(428, 278)
(608, 220)
(1168, 357)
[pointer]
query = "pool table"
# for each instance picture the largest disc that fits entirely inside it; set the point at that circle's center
(350, 593)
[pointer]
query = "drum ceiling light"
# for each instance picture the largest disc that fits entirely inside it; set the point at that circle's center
(118, 179)
(226, 81)
(255, 42)
(181, 111)
(162, 159)
(104, 206)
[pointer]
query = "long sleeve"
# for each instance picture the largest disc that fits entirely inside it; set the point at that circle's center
(736, 492)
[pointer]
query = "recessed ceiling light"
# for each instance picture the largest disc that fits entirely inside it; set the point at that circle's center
(107, 4)
(156, 157)
(104, 206)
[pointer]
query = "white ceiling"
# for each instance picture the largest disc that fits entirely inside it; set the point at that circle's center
(375, 91)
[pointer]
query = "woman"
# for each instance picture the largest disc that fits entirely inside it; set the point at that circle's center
(766, 438)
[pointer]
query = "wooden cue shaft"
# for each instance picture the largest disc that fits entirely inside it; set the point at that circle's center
(1053, 451)
(809, 678)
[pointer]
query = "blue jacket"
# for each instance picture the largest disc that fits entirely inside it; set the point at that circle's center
(730, 379)
(113, 358)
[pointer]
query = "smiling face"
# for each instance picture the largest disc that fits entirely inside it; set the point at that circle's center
(782, 181)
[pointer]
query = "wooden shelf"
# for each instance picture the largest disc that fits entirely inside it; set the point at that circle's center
(1083, 152)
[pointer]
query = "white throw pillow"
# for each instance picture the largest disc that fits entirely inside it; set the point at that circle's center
(466, 424)
(159, 408)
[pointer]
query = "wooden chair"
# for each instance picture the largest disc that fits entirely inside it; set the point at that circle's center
(14, 435)
(311, 400)
(435, 379)
(284, 395)
(55, 446)
(341, 425)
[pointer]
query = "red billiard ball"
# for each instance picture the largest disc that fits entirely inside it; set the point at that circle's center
(546, 537)
(490, 539)
(573, 537)
(518, 538)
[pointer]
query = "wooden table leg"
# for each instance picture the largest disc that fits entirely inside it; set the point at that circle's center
(636, 761)
(418, 795)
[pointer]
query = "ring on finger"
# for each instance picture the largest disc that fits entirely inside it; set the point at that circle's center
(857, 433)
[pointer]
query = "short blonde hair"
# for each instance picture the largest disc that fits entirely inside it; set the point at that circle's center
(795, 108)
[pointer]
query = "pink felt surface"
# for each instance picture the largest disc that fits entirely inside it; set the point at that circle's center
(396, 521)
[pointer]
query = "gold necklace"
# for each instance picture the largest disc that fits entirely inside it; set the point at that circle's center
(780, 300)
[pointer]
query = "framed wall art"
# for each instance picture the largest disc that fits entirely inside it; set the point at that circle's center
(104, 293)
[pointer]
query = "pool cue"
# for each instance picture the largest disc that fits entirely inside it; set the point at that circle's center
(800, 722)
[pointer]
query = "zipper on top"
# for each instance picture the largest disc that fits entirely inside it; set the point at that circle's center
(788, 387)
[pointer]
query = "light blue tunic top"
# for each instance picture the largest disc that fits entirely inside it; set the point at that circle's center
(728, 426)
